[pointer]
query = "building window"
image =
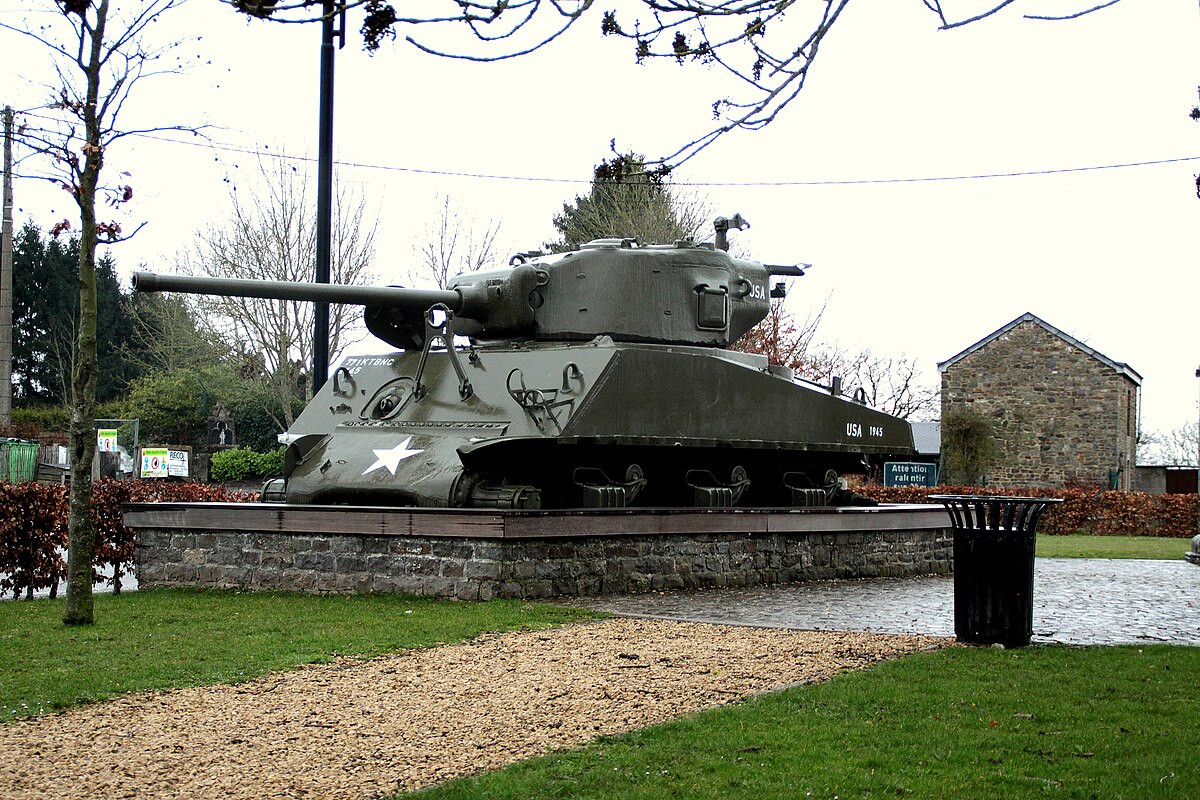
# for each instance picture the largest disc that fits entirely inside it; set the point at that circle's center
(1130, 414)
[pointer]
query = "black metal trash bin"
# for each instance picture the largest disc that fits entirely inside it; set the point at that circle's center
(993, 566)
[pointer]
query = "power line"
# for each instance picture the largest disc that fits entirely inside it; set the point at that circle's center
(970, 177)
(831, 182)
(228, 148)
(231, 148)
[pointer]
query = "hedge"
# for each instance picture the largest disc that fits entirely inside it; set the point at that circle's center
(28, 422)
(1090, 511)
(33, 532)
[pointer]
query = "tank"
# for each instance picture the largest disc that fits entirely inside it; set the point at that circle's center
(597, 378)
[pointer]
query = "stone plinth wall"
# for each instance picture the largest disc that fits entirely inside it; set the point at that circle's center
(519, 563)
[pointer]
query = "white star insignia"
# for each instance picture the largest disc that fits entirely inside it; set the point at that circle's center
(392, 458)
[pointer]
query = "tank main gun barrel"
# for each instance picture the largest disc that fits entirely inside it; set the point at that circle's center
(417, 300)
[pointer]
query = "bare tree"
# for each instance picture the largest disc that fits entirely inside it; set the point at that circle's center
(891, 384)
(99, 53)
(785, 340)
(271, 235)
(167, 334)
(766, 46)
(455, 243)
(1176, 447)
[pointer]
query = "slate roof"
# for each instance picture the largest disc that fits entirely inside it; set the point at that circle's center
(927, 437)
(1120, 367)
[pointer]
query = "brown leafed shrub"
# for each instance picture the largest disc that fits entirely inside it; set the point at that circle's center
(115, 542)
(1101, 513)
(33, 528)
(1179, 513)
(33, 533)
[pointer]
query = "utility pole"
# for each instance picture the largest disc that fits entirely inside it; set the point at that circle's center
(325, 185)
(6, 280)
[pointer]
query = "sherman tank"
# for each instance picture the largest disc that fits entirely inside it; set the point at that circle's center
(596, 378)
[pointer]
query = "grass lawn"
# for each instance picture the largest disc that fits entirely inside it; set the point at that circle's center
(1108, 722)
(1112, 722)
(1112, 547)
(171, 638)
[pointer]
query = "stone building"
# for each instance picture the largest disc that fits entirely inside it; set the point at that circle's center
(1064, 415)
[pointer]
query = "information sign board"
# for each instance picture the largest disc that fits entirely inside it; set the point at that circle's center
(177, 463)
(154, 462)
(163, 462)
(909, 473)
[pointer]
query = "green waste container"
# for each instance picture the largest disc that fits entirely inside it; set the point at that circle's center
(18, 460)
(994, 540)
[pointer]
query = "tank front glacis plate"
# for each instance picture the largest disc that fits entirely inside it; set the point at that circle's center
(410, 454)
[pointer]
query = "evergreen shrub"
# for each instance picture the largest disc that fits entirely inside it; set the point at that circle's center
(242, 463)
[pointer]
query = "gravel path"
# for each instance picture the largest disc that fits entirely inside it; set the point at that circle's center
(363, 729)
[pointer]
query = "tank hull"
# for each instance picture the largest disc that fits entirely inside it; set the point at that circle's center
(568, 425)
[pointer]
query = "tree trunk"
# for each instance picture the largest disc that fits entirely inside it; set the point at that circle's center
(80, 533)
(81, 536)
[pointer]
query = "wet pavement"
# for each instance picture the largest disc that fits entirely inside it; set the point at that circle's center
(1075, 601)
(1079, 601)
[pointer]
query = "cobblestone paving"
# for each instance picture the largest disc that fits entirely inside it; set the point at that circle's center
(1075, 601)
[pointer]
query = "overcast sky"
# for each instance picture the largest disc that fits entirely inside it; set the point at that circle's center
(906, 265)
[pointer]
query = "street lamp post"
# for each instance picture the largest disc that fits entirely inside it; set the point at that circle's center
(329, 14)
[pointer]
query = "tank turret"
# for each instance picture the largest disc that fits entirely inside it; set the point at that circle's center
(595, 378)
(682, 293)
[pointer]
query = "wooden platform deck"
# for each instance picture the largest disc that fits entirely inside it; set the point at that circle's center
(509, 524)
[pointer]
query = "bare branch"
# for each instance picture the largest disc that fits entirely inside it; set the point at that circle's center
(454, 243)
(487, 59)
(936, 7)
(767, 46)
(42, 40)
(1076, 15)
(116, 237)
(198, 130)
(271, 235)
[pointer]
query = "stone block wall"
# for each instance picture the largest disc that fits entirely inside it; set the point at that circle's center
(1063, 418)
(485, 568)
